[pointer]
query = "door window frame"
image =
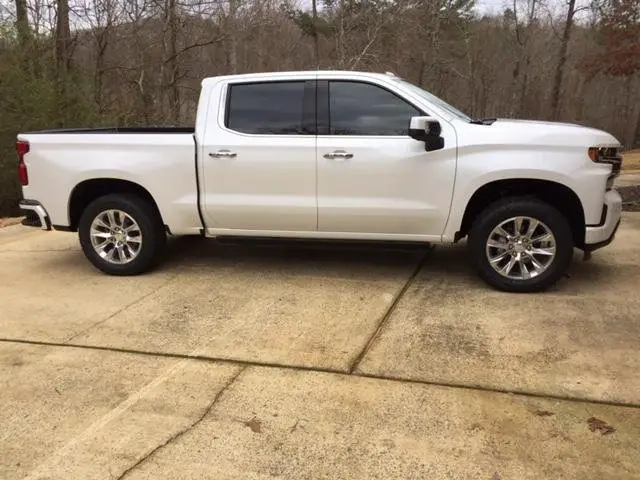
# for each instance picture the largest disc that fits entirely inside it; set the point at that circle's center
(309, 107)
(323, 116)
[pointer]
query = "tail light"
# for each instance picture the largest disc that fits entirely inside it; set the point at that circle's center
(22, 148)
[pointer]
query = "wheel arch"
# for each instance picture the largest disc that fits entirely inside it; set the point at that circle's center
(556, 194)
(87, 191)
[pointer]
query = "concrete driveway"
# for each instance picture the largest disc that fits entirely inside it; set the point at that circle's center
(305, 361)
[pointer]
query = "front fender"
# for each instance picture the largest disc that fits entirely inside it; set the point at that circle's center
(568, 167)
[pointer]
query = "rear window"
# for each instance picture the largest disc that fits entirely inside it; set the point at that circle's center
(274, 108)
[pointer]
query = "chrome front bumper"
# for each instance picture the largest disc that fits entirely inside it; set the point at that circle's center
(39, 210)
(599, 236)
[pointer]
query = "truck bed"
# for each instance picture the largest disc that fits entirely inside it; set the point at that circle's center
(161, 160)
(106, 130)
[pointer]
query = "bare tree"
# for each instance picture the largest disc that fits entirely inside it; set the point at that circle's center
(171, 65)
(562, 60)
(22, 22)
(63, 58)
(316, 39)
(231, 36)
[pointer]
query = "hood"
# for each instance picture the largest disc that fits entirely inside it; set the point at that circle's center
(549, 133)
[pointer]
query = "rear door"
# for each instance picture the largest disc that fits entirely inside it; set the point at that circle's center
(259, 157)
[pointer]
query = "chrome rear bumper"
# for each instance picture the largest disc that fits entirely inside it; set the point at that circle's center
(39, 210)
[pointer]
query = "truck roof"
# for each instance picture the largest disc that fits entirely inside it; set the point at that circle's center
(294, 74)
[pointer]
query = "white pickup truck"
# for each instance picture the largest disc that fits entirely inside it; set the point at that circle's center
(331, 155)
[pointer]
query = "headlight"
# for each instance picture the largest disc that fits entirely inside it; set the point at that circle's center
(607, 155)
(604, 154)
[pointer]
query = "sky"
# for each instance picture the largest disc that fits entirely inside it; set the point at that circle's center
(489, 7)
(496, 6)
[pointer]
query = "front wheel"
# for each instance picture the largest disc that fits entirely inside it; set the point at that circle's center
(521, 245)
(122, 234)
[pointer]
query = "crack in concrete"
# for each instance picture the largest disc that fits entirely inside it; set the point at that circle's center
(305, 368)
(131, 304)
(387, 314)
(185, 430)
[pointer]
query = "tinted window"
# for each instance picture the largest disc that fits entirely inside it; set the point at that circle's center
(365, 109)
(268, 108)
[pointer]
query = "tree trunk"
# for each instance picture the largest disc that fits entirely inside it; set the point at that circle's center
(340, 39)
(316, 44)
(173, 71)
(515, 80)
(22, 22)
(146, 101)
(562, 60)
(63, 36)
(524, 89)
(98, 80)
(231, 38)
(471, 78)
(63, 58)
(636, 137)
(423, 64)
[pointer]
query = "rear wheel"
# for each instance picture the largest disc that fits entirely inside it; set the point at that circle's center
(122, 234)
(521, 245)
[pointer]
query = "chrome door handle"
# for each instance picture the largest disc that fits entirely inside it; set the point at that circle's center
(341, 154)
(223, 154)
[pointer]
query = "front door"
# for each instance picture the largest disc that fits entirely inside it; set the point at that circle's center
(372, 177)
(259, 159)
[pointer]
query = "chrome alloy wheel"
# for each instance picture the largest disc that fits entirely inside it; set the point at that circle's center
(116, 236)
(521, 248)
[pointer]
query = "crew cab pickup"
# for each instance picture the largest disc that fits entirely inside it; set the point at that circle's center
(331, 155)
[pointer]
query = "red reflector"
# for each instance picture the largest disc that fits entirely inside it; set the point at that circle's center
(22, 148)
(22, 174)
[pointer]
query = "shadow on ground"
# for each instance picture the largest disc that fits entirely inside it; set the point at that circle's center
(450, 264)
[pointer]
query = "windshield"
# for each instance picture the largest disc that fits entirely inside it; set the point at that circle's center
(435, 100)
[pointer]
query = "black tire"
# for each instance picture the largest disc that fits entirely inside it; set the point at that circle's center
(505, 209)
(145, 214)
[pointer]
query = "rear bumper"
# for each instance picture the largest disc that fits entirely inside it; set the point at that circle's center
(602, 235)
(39, 210)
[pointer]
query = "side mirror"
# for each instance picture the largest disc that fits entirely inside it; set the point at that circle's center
(427, 130)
